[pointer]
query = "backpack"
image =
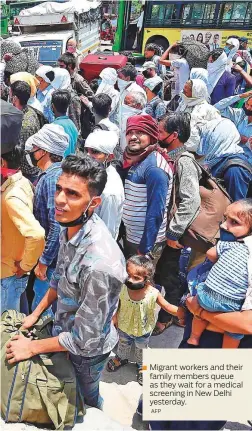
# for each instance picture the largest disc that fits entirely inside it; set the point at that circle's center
(41, 117)
(41, 390)
(100, 126)
(203, 231)
(236, 161)
(87, 121)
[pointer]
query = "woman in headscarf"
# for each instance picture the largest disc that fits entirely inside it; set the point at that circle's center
(62, 81)
(33, 83)
(195, 101)
(107, 86)
(231, 48)
(224, 157)
(221, 82)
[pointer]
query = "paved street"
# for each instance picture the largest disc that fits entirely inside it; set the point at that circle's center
(121, 391)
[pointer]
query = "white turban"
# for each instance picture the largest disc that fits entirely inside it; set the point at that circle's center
(51, 138)
(62, 80)
(104, 141)
(42, 71)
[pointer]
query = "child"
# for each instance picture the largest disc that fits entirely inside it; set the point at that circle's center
(227, 283)
(135, 317)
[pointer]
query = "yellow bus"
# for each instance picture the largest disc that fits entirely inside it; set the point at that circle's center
(166, 22)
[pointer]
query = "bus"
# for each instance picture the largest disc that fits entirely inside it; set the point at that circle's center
(166, 22)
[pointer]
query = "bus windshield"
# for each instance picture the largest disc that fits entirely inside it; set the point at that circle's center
(45, 51)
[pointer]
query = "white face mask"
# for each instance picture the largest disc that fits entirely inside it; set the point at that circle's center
(122, 84)
(28, 159)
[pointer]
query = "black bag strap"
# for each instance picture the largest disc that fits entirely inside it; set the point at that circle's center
(235, 162)
(101, 126)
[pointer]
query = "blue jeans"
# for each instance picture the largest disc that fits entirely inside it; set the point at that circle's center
(214, 302)
(11, 291)
(88, 373)
(40, 288)
(125, 344)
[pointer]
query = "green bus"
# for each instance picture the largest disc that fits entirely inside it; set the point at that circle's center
(166, 22)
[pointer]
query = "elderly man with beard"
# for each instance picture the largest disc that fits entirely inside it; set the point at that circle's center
(147, 189)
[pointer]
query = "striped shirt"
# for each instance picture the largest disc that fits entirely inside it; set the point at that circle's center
(229, 275)
(147, 193)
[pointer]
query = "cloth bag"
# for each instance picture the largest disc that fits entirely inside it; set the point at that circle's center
(41, 390)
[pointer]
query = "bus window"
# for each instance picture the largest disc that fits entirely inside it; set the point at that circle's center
(193, 13)
(209, 13)
(248, 17)
(157, 13)
(186, 19)
(170, 12)
(235, 12)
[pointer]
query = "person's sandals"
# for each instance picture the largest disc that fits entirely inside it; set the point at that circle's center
(177, 322)
(158, 331)
(140, 376)
(115, 363)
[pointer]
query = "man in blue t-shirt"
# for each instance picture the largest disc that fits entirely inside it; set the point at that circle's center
(60, 103)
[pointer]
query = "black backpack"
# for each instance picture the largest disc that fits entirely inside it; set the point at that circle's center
(236, 161)
(100, 126)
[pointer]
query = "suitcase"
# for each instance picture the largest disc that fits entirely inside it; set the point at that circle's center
(92, 65)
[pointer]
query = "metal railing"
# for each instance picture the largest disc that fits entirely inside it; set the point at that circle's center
(201, 22)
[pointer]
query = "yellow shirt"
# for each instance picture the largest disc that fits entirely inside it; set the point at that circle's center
(137, 318)
(22, 236)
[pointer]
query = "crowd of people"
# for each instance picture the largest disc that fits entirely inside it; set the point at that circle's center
(99, 190)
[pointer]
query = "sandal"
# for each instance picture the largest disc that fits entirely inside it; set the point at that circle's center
(158, 331)
(115, 363)
(140, 376)
(178, 322)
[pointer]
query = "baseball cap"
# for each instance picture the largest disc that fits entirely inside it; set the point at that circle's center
(147, 65)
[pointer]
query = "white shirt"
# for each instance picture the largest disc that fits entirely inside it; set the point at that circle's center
(112, 127)
(140, 21)
(111, 208)
(182, 72)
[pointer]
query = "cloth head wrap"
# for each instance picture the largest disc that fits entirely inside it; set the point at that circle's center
(42, 73)
(145, 124)
(199, 73)
(108, 76)
(151, 83)
(28, 78)
(218, 138)
(51, 138)
(104, 141)
(62, 80)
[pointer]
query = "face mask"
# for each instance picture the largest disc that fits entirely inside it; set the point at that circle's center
(135, 286)
(247, 111)
(31, 159)
(99, 81)
(71, 49)
(164, 143)
(122, 84)
(227, 50)
(146, 74)
(80, 220)
(226, 236)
